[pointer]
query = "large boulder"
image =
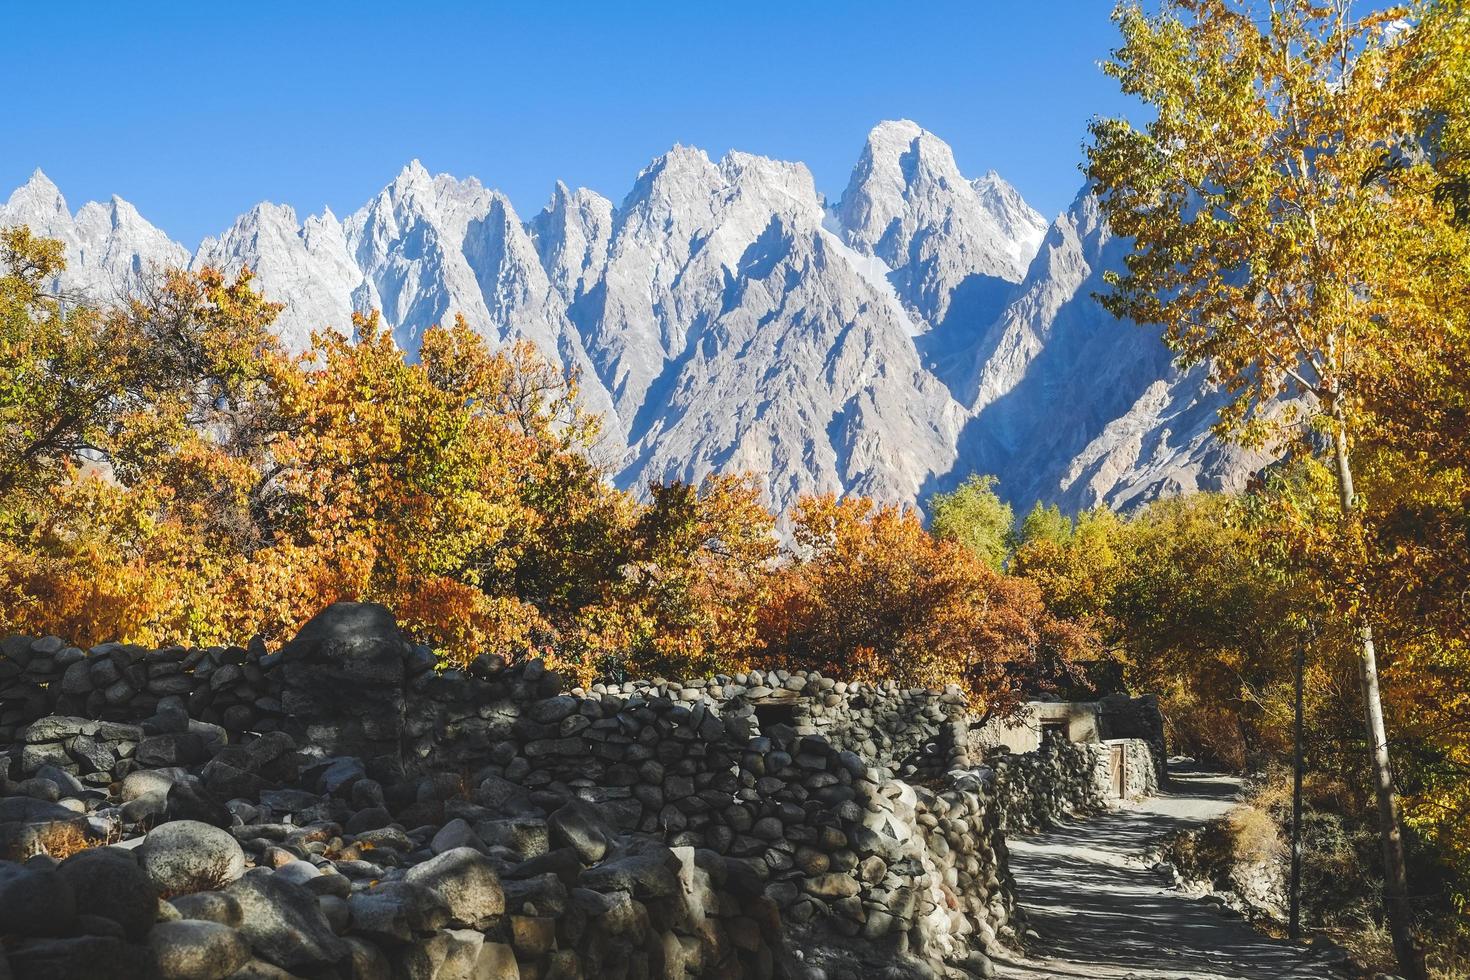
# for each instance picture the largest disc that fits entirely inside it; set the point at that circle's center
(246, 771)
(174, 749)
(185, 856)
(652, 874)
(81, 956)
(191, 949)
(578, 826)
(34, 901)
(344, 677)
(107, 882)
(209, 907)
(185, 801)
(284, 923)
(365, 961)
(466, 881)
(396, 911)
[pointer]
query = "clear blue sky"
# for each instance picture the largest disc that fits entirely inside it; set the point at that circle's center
(194, 112)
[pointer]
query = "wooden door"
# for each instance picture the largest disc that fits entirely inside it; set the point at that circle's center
(1119, 771)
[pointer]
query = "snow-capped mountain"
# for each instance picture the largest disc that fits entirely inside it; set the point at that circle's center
(726, 317)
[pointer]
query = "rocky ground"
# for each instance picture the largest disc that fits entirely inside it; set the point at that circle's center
(1098, 910)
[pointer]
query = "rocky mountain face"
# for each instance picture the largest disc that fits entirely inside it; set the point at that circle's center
(109, 247)
(726, 317)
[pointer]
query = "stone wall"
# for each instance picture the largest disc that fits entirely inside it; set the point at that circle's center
(1114, 717)
(726, 816)
(1140, 775)
(1137, 718)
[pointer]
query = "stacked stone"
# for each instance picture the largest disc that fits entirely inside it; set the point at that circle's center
(223, 686)
(910, 732)
(971, 901)
(666, 761)
(898, 728)
(1034, 790)
(629, 829)
(30, 672)
(281, 886)
(97, 753)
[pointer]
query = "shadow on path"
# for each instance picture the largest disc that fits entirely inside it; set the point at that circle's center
(1101, 914)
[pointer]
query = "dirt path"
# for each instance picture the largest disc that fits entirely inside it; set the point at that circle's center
(1101, 914)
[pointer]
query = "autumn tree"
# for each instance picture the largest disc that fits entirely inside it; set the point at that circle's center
(402, 482)
(1076, 567)
(1208, 616)
(132, 439)
(870, 592)
(974, 516)
(1044, 523)
(694, 573)
(117, 387)
(174, 476)
(1272, 201)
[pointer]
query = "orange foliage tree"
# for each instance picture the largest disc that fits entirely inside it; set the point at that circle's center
(131, 439)
(874, 594)
(172, 475)
(408, 483)
(697, 570)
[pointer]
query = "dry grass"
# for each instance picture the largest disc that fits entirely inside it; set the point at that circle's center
(1254, 838)
(62, 840)
(207, 880)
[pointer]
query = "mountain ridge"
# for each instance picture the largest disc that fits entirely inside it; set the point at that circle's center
(725, 315)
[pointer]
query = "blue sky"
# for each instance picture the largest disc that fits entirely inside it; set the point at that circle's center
(194, 112)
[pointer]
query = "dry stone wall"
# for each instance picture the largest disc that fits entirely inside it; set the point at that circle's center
(760, 824)
(1137, 719)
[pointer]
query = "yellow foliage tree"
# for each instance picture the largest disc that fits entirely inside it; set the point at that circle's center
(1273, 201)
(696, 572)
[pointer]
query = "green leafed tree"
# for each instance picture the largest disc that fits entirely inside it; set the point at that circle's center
(974, 516)
(1044, 523)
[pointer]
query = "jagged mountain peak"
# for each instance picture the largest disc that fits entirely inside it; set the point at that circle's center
(949, 249)
(903, 163)
(571, 235)
(903, 151)
(38, 196)
(119, 224)
(413, 172)
(723, 318)
(565, 202)
(677, 158)
(415, 192)
(268, 211)
(895, 136)
(680, 172)
(323, 223)
(1022, 223)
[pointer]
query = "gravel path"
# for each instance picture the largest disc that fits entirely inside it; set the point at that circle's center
(1101, 913)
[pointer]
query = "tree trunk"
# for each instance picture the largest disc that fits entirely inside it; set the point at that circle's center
(1395, 874)
(1294, 917)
